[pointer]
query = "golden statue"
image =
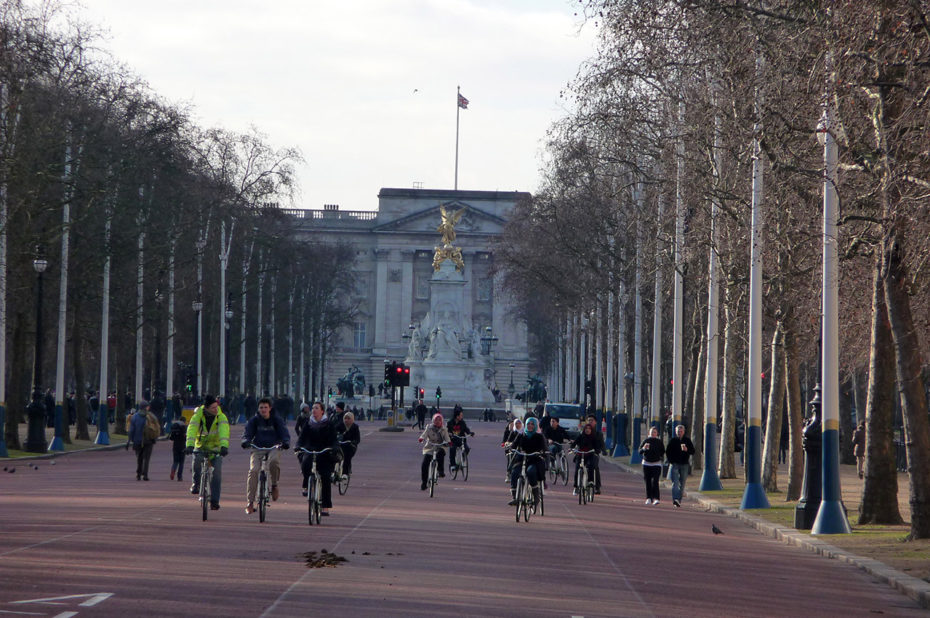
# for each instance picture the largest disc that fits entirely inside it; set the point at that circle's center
(447, 227)
(447, 230)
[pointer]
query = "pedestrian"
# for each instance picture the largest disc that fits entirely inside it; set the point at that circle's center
(421, 415)
(652, 451)
(144, 430)
(679, 452)
(858, 442)
(178, 436)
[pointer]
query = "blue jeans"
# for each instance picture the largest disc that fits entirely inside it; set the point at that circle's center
(531, 474)
(678, 474)
(217, 475)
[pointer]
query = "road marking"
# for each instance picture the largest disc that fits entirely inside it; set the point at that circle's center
(4, 611)
(65, 615)
(95, 598)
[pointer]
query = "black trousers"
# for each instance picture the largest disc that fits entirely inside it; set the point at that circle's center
(651, 475)
(427, 458)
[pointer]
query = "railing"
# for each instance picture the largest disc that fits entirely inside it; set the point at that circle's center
(325, 216)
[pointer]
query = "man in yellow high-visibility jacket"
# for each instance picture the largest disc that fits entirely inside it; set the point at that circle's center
(208, 435)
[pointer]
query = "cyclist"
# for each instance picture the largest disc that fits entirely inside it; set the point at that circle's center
(458, 429)
(319, 434)
(265, 429)
(208, 431)
(555, 436)
(302, 417)
(531, 442)
(348, 431)
(511, 431)
(437, 435)
(587, 443)
(600, 448)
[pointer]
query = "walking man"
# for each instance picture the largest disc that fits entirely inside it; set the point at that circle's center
(679, 452)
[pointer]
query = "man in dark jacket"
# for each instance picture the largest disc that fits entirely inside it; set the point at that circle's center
(264, 430)
(601, 449)
(679, 452)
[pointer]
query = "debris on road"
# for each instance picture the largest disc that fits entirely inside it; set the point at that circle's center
(321, 560)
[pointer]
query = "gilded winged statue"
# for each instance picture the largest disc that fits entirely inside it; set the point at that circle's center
(447, 227)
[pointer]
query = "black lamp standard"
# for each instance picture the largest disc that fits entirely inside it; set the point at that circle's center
(35, 440)
(511, 388)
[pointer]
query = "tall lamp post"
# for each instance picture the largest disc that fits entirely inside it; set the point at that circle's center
(35, 440)
(197, 306)
(511, 389)
(227, 323)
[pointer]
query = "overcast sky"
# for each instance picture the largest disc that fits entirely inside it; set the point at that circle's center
(365, 89)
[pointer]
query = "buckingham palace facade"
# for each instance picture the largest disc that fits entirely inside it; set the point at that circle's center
(394, 263)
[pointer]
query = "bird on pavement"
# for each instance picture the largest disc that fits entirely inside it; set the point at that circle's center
(715, 529)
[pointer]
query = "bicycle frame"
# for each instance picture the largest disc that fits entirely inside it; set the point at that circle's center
(206, 478)
(432, 478)
(525, 500)
(264, 488)
(585, 486)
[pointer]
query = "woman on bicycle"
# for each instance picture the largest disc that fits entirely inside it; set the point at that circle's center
(511, 431)
(435, 437)
(531, 442)
(587, 444)
(318, 434)
(348, 431)
(458, 429)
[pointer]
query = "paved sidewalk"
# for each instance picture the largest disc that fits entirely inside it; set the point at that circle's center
(912, 587)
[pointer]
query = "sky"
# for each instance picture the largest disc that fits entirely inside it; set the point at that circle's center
(364, 89)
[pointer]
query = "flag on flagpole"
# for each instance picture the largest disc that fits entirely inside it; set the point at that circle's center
(463, 102)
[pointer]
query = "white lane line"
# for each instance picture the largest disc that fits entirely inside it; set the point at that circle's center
(610, 561)
(65, 615)
(299, 581)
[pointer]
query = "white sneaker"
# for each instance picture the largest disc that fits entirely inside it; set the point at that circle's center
(649, 501)
(655, 503)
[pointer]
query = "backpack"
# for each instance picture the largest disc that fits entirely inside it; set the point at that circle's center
(152, 429)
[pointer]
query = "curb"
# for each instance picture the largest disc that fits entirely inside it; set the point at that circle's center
(91, 449)
(912, 587)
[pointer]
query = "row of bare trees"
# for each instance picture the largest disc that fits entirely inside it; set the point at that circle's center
(157, 202)
(679, 99)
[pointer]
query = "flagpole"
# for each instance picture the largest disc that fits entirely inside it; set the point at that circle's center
(458, 94)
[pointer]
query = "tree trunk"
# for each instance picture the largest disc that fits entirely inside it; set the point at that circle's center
(77, 351)
(19, 386)
(726, 465)
(880, 495)
(774, 420)
(697, 409)
(795, 410)
(847, 426)
(908, 363)
(119, 426)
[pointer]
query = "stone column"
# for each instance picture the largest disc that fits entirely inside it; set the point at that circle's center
(381, 283)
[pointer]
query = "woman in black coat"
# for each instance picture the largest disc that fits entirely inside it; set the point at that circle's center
(317, 435)
(348, 432)
(652, 451)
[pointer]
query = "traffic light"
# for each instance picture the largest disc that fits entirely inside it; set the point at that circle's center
(329, 393)
(397, 371)
(389, 374)
(421, 393)
(438, 393)
(404, 375)
(589, 387)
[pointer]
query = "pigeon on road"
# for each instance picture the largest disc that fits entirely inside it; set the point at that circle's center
(715, 529)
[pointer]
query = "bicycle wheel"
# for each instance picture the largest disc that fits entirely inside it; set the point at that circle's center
(318, 499)
(464, 466)
(563, 469)
(579, 483)
(432, 476)
(542, 502)
(456, 463)
(205, 490)
(527, 502)
(311, 500)
(262, 497)
(589, 492)
(553, 470)
(519, 497)
(342, 483)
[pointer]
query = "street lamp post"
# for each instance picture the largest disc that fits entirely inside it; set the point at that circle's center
(227, 323)
(510, 388)
(197, 306)
(35, 440)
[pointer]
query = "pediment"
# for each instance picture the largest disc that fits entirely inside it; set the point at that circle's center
(473, 221)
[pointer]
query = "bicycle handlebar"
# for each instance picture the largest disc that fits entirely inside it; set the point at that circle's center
(536, 454)
(303, 450)
(264, 448)
(431, 443)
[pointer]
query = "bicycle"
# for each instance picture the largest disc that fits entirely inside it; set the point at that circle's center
(461, 458)
(264, 487)
(583, 484)
(526, 502)
(314, 485)
(206, 479)
(558, 466)
(340, 480)
(432, 478)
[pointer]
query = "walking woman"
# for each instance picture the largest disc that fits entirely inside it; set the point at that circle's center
(652, 451)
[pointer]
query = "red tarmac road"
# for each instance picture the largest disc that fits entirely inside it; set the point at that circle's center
(84, 538)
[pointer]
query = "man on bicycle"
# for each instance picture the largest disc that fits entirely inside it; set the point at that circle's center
(599, 448)
(264, 430)
(458, 429)
(555, 436)
(208, 434)
(531, 442)
(586, 444)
